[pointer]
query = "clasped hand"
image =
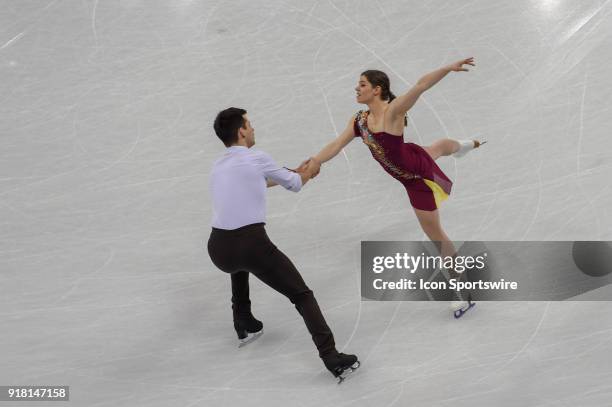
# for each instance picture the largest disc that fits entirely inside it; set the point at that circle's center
(311, 167)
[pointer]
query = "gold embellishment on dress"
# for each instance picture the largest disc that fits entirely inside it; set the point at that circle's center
(377, 150)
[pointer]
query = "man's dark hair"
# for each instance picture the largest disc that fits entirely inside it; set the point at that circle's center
(227, 123)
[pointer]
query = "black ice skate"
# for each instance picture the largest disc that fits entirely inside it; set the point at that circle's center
(341, 365)
(248, 329)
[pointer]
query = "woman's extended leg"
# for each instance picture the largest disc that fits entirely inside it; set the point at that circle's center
(448, 146)
(440, 148)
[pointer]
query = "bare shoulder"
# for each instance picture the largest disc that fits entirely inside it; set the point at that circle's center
(394, 124)
(395, 109)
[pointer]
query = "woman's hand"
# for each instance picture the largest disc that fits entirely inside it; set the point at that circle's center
(311, 164)
(458, 66)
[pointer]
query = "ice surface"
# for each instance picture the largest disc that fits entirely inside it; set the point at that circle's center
(107, 142)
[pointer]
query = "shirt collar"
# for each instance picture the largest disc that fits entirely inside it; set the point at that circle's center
(236, 148)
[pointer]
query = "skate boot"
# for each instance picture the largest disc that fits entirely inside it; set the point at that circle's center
(247, 328)
(467, 146)
(461, 304)
(341, 365)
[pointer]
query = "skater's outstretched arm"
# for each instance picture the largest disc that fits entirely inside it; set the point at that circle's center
(307, 171)
(335, 146)
(401, 104)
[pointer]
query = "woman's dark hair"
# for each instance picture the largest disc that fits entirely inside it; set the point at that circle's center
(379, 78)
(227, 123)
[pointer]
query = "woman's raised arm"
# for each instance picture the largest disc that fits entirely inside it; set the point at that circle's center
(401, 104)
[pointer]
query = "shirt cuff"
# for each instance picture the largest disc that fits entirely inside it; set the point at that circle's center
(298, 183)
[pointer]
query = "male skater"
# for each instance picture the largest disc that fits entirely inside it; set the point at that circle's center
(239, 244)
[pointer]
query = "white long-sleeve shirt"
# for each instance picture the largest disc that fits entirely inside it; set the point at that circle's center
(238, 186)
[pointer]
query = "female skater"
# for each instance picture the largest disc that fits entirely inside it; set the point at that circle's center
(381, 129)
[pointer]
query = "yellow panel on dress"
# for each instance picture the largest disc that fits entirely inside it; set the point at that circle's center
(439, 194)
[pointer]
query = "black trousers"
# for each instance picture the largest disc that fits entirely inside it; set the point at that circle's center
(249, 250)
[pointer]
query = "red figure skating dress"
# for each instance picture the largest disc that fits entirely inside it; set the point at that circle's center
(409, 163)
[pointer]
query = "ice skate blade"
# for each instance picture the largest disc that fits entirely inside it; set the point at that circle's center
(347, 372)
(250, 338)
(459, 313)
